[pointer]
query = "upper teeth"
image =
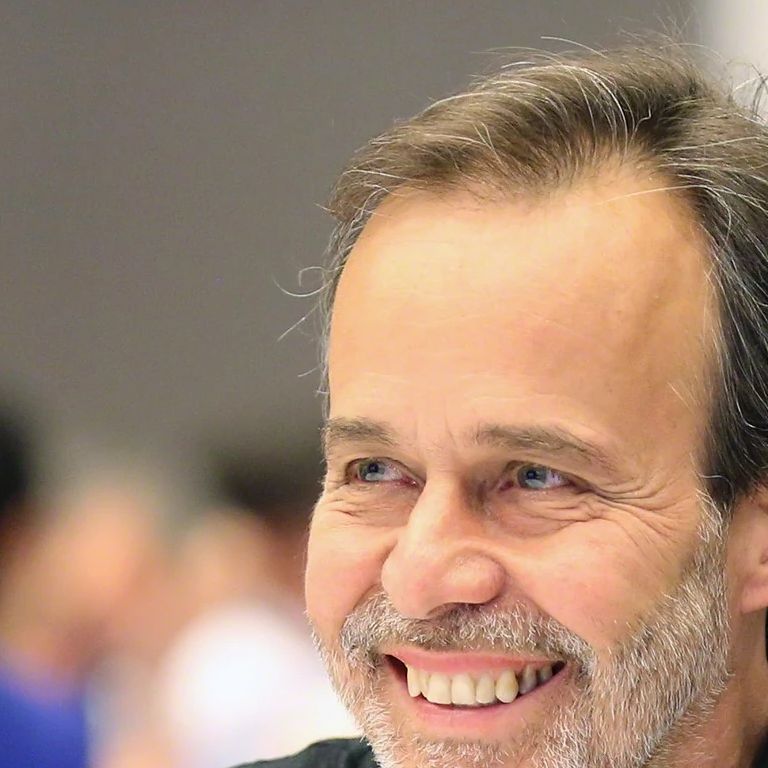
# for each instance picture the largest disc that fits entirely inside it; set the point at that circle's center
(466, 690)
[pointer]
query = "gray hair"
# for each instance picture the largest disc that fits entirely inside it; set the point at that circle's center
(554, 119)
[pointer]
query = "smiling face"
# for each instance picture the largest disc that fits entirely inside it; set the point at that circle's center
(510, 559)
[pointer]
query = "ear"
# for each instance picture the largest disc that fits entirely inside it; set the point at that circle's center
(748, 551)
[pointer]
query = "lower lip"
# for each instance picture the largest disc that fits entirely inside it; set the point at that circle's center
(495, 722)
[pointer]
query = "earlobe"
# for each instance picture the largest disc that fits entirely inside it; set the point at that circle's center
(748, 551)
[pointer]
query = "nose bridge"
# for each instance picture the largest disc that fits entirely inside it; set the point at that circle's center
(443, 556)
(445, 516)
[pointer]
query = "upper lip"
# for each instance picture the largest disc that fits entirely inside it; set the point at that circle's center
(470, 662)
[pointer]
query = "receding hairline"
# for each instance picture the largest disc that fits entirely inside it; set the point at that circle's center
(499, 127)
(639, 173)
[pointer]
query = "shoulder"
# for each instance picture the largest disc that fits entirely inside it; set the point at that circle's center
(334, 753)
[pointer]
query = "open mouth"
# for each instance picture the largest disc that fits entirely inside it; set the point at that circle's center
(502, 686)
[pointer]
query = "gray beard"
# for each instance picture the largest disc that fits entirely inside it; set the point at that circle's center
(630, 710)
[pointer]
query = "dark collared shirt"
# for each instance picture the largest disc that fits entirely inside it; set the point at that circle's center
(336, 753)
(354, 753)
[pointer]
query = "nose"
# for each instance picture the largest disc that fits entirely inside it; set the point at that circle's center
(444, 556)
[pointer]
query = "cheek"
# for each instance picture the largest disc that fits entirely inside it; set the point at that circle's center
(594, 584)
(344, 561)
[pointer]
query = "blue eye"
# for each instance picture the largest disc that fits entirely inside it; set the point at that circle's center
(536, 477)
(375, 471)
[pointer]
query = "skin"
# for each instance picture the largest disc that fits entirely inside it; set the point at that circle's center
(591, 311)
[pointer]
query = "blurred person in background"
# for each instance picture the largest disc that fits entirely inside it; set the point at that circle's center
(229, 683)
(43, 720)
(85, 610)
(117, 593)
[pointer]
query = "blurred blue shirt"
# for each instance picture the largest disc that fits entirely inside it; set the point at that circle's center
(42, 724)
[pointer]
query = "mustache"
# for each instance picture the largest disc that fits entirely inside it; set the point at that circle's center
(511, 629)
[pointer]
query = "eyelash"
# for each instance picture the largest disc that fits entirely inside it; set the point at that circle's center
(512, 469)
(355, 465)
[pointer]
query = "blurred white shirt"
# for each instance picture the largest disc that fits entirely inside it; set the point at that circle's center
(243, 682)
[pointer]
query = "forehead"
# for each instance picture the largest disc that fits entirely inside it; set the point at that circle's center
(596, 292)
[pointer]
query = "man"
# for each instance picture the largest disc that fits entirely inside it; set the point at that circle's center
(543, 536)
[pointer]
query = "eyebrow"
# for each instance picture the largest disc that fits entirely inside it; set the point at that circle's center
(554, 441)
(342, 430)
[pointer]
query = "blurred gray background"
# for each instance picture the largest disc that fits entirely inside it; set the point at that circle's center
(163, 169)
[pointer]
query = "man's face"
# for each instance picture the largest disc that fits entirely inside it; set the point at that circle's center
(511, 559)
